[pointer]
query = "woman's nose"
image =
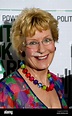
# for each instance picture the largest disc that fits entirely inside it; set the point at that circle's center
(41, 47)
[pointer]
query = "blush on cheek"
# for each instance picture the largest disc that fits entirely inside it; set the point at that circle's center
(52, 48)
(30, 52)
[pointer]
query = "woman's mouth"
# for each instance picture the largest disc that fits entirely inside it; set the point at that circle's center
(41, 57)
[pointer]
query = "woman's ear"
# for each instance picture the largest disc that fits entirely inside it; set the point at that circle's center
(21, 49)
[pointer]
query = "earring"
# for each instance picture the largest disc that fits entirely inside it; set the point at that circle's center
(55, 48)
(21, 49)
(22, 53)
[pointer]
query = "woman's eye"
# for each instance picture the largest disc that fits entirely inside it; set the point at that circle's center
(47, 40)
(33, 43)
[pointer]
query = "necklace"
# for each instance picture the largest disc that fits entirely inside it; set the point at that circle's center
(35, 82)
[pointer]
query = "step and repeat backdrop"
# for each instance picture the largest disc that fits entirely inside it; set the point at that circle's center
(63, 56)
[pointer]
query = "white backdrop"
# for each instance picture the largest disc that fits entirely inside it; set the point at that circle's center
(62, 11)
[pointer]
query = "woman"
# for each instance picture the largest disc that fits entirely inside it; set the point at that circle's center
(33, 36)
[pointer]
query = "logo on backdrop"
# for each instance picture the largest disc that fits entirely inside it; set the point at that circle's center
(9, 18)
(64, 18)
(6, 52)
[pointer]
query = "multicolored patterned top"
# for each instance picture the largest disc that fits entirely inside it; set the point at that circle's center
(15, 93)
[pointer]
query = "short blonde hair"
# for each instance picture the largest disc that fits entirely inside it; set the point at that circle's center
(30, 20)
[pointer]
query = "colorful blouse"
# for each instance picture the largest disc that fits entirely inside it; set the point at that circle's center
(15, 93)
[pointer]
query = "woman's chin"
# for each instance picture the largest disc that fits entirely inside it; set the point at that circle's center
(42, 67)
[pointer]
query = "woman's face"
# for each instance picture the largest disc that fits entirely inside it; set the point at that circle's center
(40, 50)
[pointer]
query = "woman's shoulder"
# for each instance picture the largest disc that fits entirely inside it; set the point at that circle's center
(56, 77)
(11, 84)
(9, 79)
(57, 81)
